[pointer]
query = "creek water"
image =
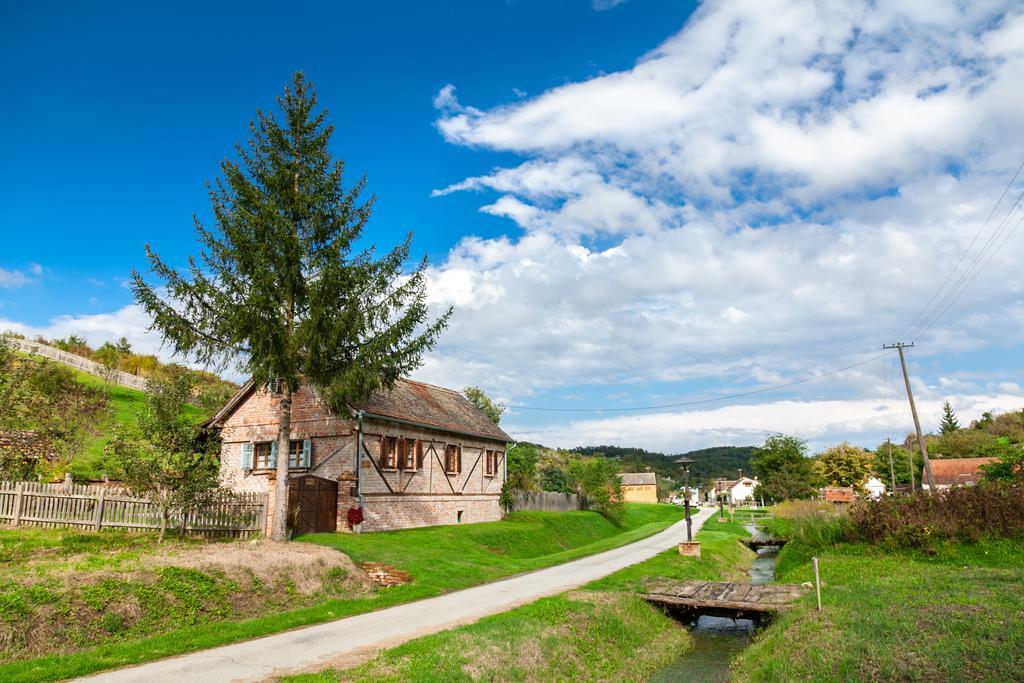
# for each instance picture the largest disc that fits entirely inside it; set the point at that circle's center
(716, 640)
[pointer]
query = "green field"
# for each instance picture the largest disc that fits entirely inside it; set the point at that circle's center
(603, 632)
(168, 611)
(953, 614)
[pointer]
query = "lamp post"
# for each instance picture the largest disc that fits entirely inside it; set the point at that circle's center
(685, 463)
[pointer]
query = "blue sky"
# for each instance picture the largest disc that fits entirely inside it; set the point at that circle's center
(629, 203)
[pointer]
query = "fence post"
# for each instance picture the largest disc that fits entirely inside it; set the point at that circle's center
(97, 521)
(817, 581)
(19, 491)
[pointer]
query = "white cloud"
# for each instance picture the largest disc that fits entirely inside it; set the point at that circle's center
(130, 322)
(13, 279)
(865, 422)
(777, 188)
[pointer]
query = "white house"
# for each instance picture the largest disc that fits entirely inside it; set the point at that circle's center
(738, 491)
(875, 488)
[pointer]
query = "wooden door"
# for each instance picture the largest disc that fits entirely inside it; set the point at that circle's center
(312, 504)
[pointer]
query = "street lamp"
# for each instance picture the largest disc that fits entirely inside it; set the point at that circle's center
(685, 463)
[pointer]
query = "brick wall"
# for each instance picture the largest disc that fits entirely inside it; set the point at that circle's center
(423, 497)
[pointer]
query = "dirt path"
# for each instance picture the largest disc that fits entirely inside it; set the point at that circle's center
(348, 640)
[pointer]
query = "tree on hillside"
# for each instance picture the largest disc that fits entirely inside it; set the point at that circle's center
(784, 469)
(482, 401)
(167, 459)
(844, 465)
(279, 288)
(949, 422)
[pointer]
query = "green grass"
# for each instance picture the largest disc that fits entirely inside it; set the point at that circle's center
(440, 559)
(451, 557)
(604, 632)
(897, 615)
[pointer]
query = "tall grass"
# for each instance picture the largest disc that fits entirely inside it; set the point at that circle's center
(813, 523)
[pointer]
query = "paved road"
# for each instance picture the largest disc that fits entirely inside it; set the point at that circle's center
(318, 646)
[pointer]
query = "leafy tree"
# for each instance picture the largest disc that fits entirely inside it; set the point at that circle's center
(961, 443)
(900, 463)
(949, 422)
(784, 469)
(482, 401)
(554, 478)
(1009, 467)
(108, 356)
(123, 347)
(43, 399)
(279, 287)
(166, 459)
(598, 480)
(845, 465)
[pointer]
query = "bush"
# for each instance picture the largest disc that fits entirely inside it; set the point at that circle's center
(961, 513)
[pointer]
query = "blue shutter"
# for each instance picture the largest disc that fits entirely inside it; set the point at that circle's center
(306, 452)
(247, 456)
(273, 455)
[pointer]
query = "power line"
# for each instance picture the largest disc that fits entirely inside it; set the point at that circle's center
(956, 266)
(938, 313)
(725, 397)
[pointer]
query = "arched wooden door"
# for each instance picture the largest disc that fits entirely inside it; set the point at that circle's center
(312, 504)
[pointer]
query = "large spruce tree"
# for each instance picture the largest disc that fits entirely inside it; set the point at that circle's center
(279, 286)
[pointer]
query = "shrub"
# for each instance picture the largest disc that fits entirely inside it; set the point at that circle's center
(961, 513)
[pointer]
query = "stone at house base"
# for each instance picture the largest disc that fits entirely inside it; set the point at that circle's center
(689, 548)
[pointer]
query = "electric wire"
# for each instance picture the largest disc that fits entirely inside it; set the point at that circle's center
(956, 266)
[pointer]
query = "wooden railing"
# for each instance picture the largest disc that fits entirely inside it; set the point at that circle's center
(125, 379)
(97, 507)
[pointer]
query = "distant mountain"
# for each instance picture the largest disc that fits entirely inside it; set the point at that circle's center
(709, 463)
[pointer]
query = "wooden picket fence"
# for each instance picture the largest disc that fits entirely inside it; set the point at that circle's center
(96, 507)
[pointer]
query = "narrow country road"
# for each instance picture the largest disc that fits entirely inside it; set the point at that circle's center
(317, 646)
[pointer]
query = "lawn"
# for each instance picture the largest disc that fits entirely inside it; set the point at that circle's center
(953, 614)
(163, 609)
(604, 631)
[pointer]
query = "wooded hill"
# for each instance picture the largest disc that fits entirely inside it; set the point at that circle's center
(717, 462)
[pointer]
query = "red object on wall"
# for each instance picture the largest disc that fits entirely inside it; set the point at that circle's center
(355, 516)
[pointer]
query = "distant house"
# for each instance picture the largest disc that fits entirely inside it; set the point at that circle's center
(736, 491)
(875, 488)
(839, 495)
(957, 471)
(418, 455)
(639, 487)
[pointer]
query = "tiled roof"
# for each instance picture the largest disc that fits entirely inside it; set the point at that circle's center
(432, 406)
(639, 479)
(423, 404)
(950, 471)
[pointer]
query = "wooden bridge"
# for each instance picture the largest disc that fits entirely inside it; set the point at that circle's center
(736, 600)
(763, 542)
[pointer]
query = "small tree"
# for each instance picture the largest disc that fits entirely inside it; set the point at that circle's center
(845, 465)
(165, 460)
(280, 288)
(482, 401)
(110, 358)
(784, 468)
(949, 422)
(598, 480)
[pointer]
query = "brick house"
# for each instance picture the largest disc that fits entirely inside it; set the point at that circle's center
(957, 471)
(418, 455)
(639, 487)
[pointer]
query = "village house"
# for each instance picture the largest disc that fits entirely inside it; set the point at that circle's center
(639, 487)
(736, 491)
(418, 455)
(956, 471)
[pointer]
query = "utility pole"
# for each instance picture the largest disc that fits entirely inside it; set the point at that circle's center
(899, 346)
(892, 472)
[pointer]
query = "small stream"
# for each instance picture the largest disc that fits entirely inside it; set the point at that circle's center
(717, 639)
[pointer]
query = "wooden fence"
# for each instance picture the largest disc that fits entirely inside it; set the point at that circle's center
(548, 501)
(96, 507)
(125, 379)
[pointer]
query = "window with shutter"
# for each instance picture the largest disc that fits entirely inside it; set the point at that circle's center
(400, 449)
(459, 461)
(261, 455)
(409, 454)
(273, 455)
(451, 459)
(247, 455)
(389, 453)
(419, 455)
